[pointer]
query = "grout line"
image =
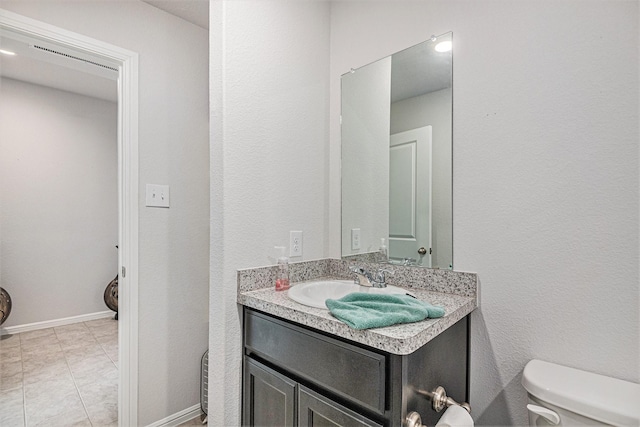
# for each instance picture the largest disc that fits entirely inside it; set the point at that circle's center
(103, 349)
(105, 352)
(73, 378)
(24, 393)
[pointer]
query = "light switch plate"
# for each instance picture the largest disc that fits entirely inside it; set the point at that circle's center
(157, 196)
(295, 243)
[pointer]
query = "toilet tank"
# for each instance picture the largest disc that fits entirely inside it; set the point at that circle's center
(584, 396)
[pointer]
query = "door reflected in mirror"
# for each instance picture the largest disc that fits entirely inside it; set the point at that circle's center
(397, 157)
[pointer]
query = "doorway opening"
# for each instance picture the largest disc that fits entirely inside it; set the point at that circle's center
(65, 46)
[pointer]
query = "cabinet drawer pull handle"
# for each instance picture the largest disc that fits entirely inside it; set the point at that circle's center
(440, 400)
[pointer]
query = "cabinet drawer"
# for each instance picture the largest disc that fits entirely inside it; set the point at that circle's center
(351, 372)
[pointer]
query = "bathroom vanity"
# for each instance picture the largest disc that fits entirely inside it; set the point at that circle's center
(295, 375)
(301, 366)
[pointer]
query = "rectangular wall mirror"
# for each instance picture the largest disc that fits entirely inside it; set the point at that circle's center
(397, 157)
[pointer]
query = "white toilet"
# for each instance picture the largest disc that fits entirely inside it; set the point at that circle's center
(564, 396)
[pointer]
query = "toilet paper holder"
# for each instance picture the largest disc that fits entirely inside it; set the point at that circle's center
(439, 401)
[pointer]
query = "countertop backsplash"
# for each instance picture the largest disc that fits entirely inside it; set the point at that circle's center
(445, 281)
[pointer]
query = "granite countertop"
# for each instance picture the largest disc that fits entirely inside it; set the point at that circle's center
(398, 339)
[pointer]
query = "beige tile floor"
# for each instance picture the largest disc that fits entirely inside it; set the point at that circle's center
(62, 376)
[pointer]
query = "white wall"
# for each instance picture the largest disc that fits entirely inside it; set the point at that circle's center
(173, 150)
(58, 201)
(545, 176)
(269, 142)
(433, 109)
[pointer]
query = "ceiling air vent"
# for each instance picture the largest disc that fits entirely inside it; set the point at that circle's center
(74, 57)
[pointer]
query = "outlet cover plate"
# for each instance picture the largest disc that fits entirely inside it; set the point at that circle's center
(295, 244)
(355, 239)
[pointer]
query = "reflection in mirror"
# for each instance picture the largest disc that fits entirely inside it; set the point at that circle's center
(397, 157)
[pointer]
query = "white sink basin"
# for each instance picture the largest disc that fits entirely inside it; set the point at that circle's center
(314, 294)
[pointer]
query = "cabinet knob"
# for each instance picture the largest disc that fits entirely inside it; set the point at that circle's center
(422, 251)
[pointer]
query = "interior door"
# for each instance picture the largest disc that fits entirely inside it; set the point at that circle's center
(410, 196)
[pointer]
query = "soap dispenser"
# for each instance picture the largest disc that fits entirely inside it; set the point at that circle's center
(282, 275)
(383, 249)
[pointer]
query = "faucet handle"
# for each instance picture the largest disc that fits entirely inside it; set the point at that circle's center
(356, 269)
(362, 277)
(381, 274)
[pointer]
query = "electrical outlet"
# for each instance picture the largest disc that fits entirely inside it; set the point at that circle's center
(157, 196)
(295, 243)
(355, 239)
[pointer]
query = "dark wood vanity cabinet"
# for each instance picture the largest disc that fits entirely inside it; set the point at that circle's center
(298, 376)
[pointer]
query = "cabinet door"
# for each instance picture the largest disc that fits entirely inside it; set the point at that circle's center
(268, 397)
(315, 410)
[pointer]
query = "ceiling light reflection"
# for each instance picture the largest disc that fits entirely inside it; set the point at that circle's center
(444, 46)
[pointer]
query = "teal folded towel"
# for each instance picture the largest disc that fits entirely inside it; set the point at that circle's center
(364, 310)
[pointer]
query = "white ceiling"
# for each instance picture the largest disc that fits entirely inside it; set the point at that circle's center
(43, 68)
(194, 11)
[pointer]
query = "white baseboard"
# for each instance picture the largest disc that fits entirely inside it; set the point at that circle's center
(56, 322)
(179, 417)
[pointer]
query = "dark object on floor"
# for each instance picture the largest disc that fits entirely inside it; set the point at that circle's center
(204, 387)
(5, 305)
(111, 296)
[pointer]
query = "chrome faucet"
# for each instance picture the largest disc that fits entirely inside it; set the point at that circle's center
(365, 278)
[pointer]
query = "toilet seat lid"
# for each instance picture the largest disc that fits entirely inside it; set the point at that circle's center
(599, 397)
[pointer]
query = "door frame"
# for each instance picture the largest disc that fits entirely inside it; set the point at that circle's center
(127, 64)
